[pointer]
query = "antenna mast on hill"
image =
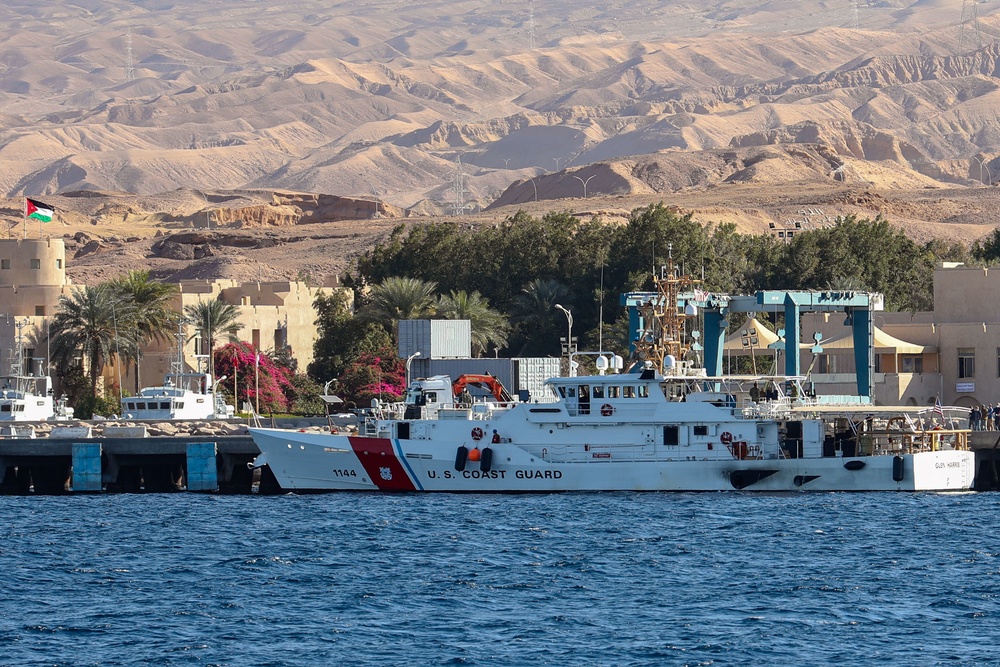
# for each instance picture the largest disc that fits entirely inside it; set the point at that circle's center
(970, 24)
(129, 67)
(531, 24)
(854, 15)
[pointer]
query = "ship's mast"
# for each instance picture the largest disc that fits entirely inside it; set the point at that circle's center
(663, 317)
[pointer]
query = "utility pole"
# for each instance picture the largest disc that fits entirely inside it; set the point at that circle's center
(970, 33)
(531, 25)
(129, 67)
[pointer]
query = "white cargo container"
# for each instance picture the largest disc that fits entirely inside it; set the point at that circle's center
(435, 339)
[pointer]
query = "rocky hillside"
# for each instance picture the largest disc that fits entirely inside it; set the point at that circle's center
(441, 107)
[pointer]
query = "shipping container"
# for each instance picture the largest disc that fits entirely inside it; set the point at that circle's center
(435, 339)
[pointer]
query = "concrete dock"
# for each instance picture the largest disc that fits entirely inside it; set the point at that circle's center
(50, 466)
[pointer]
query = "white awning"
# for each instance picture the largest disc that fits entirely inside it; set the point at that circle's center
(884, 344)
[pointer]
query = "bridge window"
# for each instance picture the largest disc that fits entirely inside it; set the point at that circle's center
(701, 429)
(598, 391)
(671, 435)
(966, 362)
(643, 391)
(628, 391)
(165, 406)
(613, 392)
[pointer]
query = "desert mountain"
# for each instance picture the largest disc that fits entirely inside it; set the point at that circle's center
(234, 111)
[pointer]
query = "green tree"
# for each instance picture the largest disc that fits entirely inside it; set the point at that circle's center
(488, 326)
(86, 325)
(261, 382)
(396, 299)
(152, 318)
(341, 338)
(211, 319)
(536, 317)
(872, 253)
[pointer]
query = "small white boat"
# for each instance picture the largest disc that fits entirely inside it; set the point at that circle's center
(26, 391)
(182, 396)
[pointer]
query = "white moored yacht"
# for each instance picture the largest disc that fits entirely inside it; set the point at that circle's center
(26, 391)
(182, 396)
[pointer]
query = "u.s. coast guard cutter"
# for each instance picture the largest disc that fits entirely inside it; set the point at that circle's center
(661, 427)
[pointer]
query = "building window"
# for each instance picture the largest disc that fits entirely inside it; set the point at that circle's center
(58, 263)
(911, 363)
(40, 311)
(966, 362)
(255, 338)
(4, 263)
(36, 264)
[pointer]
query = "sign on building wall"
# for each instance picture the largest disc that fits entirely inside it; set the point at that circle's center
(965, 387)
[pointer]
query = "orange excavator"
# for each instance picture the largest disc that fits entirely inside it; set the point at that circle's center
(487, 381)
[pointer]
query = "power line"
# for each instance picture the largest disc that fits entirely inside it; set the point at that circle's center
(129, 66)
(531, 25)
(970, 26)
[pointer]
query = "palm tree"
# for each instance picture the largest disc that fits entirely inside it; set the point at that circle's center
(86, 325)
(536, 316)
(153, 319)
(489, 327)
(396, 299)
(211, 318)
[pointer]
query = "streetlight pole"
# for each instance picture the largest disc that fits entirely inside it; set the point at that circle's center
(409, 360)
(569, 339)
(584, 183)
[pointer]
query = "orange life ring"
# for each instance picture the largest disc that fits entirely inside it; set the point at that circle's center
(607, 410)
(477, 434)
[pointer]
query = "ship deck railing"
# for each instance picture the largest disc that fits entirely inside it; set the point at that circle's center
(876, 442)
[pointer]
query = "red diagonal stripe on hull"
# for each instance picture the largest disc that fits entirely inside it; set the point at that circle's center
(380, 461)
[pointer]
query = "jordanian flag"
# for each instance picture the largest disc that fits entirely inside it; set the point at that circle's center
(39, 211)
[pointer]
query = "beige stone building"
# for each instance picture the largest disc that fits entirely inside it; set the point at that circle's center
(32, 278)
(273, 315)
(952, 352)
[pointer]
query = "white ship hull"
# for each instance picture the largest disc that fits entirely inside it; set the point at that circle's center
(324, 462)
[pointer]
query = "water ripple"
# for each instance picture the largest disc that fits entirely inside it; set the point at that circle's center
(566, 579)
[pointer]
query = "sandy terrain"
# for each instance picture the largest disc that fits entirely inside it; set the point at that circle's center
(301, 132)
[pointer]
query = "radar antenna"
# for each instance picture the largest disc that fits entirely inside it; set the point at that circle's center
(663, 318)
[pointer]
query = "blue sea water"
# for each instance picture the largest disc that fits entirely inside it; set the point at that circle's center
(564, 579)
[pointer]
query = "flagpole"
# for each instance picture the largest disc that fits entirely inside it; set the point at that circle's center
(24, 228)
